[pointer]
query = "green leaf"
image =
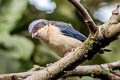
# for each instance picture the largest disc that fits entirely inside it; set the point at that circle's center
(17, 47)
(10, 13)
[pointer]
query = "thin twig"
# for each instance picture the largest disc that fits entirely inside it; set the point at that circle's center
(88, 20)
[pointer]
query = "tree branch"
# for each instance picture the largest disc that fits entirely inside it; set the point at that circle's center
(16, 76)
(22, 75)
(85, 15)
(97, 70)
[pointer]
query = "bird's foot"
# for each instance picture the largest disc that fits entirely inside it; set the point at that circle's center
(48, 64)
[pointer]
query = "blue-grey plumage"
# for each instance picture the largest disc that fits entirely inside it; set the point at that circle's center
(58, 36)
(68, 30)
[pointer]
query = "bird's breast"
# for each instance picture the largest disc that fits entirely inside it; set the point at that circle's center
(61, 44)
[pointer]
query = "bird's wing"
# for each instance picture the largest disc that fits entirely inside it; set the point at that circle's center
(68, 30)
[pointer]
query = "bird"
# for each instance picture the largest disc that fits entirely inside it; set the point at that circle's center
(59, 36)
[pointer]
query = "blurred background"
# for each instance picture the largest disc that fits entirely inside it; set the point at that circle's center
(19, 52)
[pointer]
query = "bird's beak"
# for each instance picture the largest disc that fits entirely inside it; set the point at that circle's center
(34, 35)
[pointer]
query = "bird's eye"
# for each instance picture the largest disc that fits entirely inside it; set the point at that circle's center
(37, 27)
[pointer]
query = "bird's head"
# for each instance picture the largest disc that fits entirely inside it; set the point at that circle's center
(36, 25)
